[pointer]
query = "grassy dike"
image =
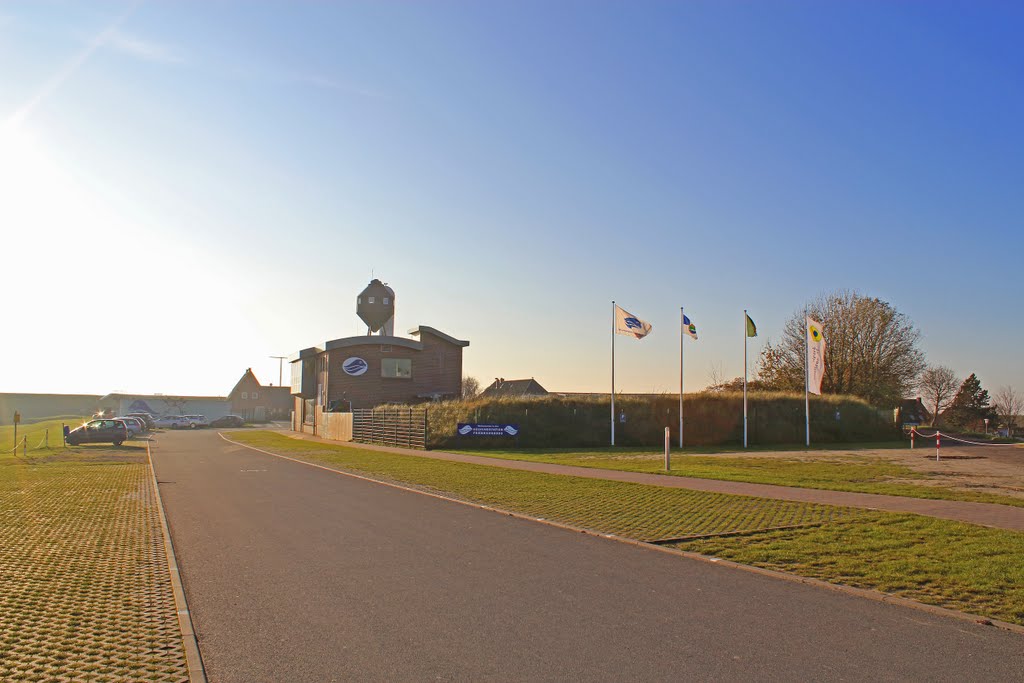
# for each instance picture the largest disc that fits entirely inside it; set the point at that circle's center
(954, 565)
(37, 432)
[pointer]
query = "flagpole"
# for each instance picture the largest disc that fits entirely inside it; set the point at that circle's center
(807, 382)
(744, 378)
(613, 373)
(681, 319)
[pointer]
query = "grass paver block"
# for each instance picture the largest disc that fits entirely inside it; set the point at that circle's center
(84, 587)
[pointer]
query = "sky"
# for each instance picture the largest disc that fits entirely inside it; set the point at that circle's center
(187, 189)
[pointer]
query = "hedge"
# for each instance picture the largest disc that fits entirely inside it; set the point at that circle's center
(555, 421)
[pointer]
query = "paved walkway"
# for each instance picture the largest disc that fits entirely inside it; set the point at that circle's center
(984, 514)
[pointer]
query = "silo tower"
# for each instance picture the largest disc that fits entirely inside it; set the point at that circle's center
(375, 306)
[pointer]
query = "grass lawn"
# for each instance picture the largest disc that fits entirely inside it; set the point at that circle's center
(935, 561)
(85, 592)
(966, 567)
(838, 472)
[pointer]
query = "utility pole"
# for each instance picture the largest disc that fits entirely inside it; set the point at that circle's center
(280, 369)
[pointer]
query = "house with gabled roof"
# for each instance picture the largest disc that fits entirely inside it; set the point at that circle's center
(502, 387)
(256, 403)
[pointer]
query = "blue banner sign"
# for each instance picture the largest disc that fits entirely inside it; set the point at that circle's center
(465, 429)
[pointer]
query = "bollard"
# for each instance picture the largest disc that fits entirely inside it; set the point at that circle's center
(668, 450)
(47, 439)
(912, 432)
(938, 441)
(24, 446)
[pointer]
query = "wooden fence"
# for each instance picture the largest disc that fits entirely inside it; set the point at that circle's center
(403, 427)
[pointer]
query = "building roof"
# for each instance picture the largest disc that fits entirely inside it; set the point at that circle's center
(912, 410)
(514, 387)
(248, 374)
(363, 340)
(373, 339)
(311, 352)
(416, 331)
(116, 396)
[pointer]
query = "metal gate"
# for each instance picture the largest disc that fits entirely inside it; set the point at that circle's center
(403, 427)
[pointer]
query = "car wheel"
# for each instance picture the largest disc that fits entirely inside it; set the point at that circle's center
(191, 425)
(118, 443)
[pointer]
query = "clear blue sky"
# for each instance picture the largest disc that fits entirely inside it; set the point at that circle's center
(509, 168)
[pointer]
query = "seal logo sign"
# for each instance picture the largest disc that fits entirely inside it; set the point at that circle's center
(354, 366)
(632, 323)
(465, 429)
(510, 430)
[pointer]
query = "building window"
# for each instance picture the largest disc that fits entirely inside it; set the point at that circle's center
(255, 395)
(385, 301)
(245, 395)
(370, 299)
(396, 367)
(359, 300)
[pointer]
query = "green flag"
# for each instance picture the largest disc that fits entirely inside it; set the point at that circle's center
(751, 327)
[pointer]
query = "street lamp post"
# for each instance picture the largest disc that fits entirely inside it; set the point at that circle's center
(280, 369)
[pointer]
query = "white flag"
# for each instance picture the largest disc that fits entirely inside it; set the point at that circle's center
(689, 328)
(628, 324)
(815, 356)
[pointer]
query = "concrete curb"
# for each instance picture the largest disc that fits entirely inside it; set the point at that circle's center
(196, 670)
(866, 593)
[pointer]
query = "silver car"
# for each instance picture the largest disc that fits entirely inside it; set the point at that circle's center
(195, 421)
(135, 425)
(171, 421)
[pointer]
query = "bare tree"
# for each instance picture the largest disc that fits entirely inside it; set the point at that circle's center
(871, 350)
(470, 387)
(1009, 405)
(938, 385)
(717, 377)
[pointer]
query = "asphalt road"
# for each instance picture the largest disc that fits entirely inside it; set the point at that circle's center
(294, 573)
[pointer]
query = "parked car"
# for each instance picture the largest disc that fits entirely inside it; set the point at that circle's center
(228, 421)
(195, 421)
(99, 431)
(145, 417)
(135, 425)
(171, 421)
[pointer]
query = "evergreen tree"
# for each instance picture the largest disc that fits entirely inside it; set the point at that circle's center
(970, 406)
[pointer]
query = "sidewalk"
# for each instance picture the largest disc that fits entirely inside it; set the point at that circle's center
(984, 514)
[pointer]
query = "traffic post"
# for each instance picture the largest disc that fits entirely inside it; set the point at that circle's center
(668, 450)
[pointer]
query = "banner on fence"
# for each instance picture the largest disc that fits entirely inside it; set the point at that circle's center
(473, 429)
